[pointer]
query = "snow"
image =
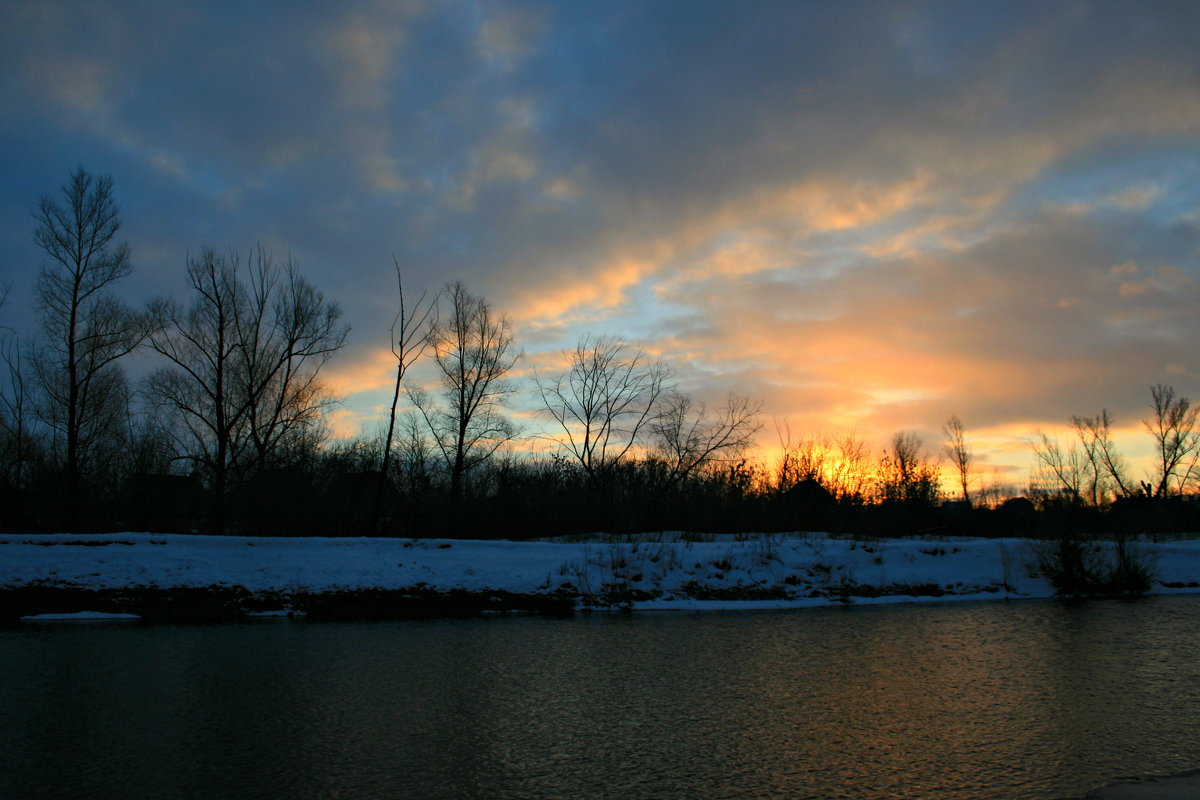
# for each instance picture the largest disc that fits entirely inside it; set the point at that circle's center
(79, 616)
(649, 572)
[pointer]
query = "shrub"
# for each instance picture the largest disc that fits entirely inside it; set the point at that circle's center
(1078, 568)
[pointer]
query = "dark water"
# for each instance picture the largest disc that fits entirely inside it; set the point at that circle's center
(1032, 700)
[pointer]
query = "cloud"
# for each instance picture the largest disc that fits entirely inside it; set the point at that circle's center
(865, 219)
(508, 36)
(361, 54)
(1034, 321)
(602, 290)
(373, 370)
(346, 423)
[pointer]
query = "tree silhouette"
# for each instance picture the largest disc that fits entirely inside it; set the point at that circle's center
(85, 330)
(409, 339)
(906, 476)
(1107, 467)
(1173, 427)
(473, 350)
(242, 386)
(607, 397)
(690, 436)
(959, 452)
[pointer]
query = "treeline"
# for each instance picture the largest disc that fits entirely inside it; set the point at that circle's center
(228, 432)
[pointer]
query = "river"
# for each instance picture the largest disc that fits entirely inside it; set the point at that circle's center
(1022, 700)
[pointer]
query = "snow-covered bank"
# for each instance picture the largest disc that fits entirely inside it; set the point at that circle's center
(653, 572)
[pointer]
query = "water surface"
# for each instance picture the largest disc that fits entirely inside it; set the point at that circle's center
(1023, 700)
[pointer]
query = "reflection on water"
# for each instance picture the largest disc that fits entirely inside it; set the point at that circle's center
(1034, 700)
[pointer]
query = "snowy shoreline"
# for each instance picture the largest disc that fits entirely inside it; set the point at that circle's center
(349, 577)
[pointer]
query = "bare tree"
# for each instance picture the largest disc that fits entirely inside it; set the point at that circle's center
(850, 472)
(242, 387)
(474, 353)
(959, 451)
(1107, 469)
(906, 452)
(15, 413)
(85, 329)
(1173, 427)
(604, 401)
(419, 461)
(409, 339)
(150, 448)
(199, 390)
(906, 475)
(287, 335)
(1058, 469)
(1094, 484)
(15, 407)
(690, 437)
(807, 459)
(839, 462)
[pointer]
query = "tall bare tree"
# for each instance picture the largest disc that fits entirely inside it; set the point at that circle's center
(1177, 440)
(409, 340)
(1107, 469)
(199, 390)
(85, 329)
(690, 436)
(473, 350)
(287, 335)
(604, 401)
(242, 383)
(959, 451)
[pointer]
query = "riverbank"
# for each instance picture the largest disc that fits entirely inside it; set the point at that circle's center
(190, 577)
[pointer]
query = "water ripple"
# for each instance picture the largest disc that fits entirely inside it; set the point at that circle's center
(1029, 700)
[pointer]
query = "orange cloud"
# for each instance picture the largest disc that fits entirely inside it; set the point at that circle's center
(831, 204)
(372, 371)
(345, 423)
(817, 204)
(1131, 289)
(603, 290)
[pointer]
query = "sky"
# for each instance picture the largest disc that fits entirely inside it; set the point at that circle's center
(869, 216)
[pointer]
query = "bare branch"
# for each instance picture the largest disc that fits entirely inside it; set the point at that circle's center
(245, 359)
(474, 353)
(1173, 427)
(603, 403)
(1107, 468)
(409, 340)
(959, 452)
(690, 438)
(85, 330)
